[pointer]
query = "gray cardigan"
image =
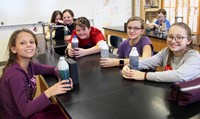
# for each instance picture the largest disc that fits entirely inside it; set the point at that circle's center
(184, 68)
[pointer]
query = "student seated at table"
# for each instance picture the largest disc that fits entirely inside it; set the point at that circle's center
(18, 83)
(161, 19)
(89, 37)
(68, 21)
(135, 29)
(181, 62)
(56, 16)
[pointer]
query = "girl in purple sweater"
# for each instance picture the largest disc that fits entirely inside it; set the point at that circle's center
(18, 84)
(135, 29)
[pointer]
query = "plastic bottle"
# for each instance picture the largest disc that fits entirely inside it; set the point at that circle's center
(104, 50)
(66, 31)
(147, 27)
(134, 58)
(63, 69)
(75, 42)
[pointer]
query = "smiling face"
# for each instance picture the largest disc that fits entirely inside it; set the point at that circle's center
(134, 30)
(67, 18)
(58, 17)
(25, 46)
(161, 17)
(178, 40)
(83, 32)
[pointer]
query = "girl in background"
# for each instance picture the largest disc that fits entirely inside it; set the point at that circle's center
(55, 18)
(135, 29)
(18, 84)
(68, 21)
(181, 62)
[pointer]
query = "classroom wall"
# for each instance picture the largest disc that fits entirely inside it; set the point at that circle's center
(31, 11)
(17, 14)
(6, 31)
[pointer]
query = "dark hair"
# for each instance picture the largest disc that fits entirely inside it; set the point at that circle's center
(135, 18)
(163, 11)
(69, 11)
(55, 13)
(12, 42)
(189, 37)
(82, 22)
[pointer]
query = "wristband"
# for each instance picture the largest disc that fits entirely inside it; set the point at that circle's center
(145, 76)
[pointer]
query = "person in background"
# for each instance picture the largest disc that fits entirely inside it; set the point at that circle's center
(18, 84)
(135, 29)
(181, 62)
(67, 23)
(55, 18)
(161, 19)
(68, 20)
(88, 37)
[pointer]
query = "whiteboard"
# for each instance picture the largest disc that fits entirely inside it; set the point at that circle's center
(112, 13)
(32, 11)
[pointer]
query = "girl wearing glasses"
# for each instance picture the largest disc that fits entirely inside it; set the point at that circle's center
(161, 19)
(181, 62)
(135, 29)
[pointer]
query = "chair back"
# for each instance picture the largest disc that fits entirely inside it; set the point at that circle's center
(115, 41)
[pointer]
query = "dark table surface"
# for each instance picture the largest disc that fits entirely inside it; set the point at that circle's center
(103, 94)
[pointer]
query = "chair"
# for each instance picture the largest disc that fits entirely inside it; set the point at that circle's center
(115, 42)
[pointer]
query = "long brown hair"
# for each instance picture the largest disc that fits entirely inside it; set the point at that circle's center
(12, 42)
(189, 34)
(54, 15)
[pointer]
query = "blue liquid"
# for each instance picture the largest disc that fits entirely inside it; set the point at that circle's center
(64, 75)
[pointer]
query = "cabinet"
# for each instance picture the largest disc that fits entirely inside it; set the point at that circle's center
(186, 11)
(146, 9)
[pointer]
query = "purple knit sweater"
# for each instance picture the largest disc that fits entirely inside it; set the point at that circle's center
(17, 89)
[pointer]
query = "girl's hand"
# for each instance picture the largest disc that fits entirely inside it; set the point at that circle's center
(67, 38)
(60, 21)
(137, 75)
(59, 88)
(126, 72)
(109, 62)
(132, 74)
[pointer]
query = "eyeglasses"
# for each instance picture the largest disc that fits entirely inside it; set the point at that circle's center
(134, 28)
(178, 39)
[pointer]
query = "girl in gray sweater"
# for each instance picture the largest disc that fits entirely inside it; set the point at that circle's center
(180, 61)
